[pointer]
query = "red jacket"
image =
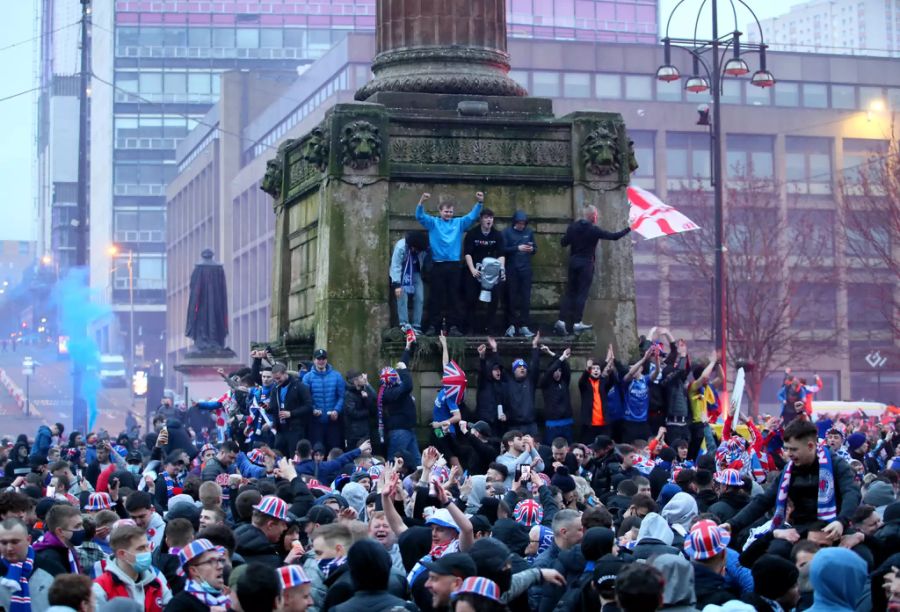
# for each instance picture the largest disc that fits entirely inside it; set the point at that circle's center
(114, 587)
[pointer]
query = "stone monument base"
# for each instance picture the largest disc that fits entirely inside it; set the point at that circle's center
(199, 372)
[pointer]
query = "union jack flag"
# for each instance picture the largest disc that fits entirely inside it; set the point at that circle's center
(454, 381)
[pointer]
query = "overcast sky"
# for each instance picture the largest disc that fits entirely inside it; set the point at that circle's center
(17, 114)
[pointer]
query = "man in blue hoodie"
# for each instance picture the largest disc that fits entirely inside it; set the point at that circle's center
(44, 439)
(519, 247)
(445, 234)
(327, 388)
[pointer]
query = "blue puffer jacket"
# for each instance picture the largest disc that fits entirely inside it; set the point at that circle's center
(42, 441)
(327, 390)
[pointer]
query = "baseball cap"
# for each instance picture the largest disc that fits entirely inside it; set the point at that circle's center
(352, 373)
(320, 354)
(460, 565)
(606, 570)
(442, 518)
(483, 428)
(322, 515)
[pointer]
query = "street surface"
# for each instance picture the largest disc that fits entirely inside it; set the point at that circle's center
(51, 395)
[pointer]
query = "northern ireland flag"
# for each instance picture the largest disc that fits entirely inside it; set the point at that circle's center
(651, 217)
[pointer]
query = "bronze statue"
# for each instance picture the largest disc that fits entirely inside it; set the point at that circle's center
(207, 316)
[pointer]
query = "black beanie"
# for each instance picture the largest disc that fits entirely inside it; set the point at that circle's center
(562, 480)
(773, 576)
(597, 541)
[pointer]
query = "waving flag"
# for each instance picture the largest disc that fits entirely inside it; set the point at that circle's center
(651, 217)
(454, 381)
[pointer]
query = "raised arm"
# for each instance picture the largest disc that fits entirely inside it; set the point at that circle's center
(476, 210)
(636, 368)
(391, 487)
(445, 354)
(425, 220)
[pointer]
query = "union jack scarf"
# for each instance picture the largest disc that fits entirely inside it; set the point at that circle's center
(18, 573)
(255, 421)
(827, 507)
(171, 484)
(209, 599)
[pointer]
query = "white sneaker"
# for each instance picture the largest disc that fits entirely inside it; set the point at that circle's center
(510, 331)
(525, 332)
(580, 327)
(560, 328)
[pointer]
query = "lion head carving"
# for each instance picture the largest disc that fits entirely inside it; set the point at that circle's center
(600, 150)
(315, 149)
(361, 144)
(271, 181)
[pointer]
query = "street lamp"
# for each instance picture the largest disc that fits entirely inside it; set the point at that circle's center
(708, 76)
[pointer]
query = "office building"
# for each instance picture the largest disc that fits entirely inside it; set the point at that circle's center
(851, 27)
(808, 133)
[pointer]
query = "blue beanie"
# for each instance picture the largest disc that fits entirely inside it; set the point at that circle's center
(855, 440)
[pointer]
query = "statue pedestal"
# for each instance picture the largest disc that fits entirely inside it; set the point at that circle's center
(199, 374)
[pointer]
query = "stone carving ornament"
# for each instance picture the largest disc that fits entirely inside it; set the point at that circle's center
(271, 181)
(315, 149)
(360, 144)
(600, 150)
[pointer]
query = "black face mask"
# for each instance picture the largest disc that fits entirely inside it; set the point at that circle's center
(77, 538)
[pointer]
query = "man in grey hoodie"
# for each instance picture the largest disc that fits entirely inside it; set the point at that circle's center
(678, 595)
(519, 247)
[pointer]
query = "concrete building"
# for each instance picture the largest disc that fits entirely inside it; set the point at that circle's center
(156, 67)
(802, 134)
(852, 27)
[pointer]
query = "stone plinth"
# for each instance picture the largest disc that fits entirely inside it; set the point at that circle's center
(199, 373)
(450, 46)
(346, 192)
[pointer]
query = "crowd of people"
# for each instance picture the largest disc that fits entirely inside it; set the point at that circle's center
(309, 489)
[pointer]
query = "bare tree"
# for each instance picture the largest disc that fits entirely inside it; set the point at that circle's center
(870, 205)
(776, 302)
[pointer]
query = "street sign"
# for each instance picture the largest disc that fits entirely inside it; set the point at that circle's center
(875, 360)
(28, 366)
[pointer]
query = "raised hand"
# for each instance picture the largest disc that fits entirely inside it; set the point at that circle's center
(536, 339)
(567, 353)
(482, 349)
(479, 196)
(425, 196)
(492, 343)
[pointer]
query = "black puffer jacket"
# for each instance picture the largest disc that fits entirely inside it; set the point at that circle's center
(729, 504)
(359, 414)
(519, 395)
(254, 547)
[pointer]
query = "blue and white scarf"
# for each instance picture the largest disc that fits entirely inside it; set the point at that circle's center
(210, 599)
(407, 276)
(436, 553)
(827, 507)
(326, 566)
(19, 573)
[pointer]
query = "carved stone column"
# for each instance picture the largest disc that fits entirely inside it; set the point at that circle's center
(442, 47)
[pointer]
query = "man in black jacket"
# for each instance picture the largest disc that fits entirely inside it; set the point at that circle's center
(483, 447)
(368, 584)
(606, 464)
(732, 495)
(811, 513)
(259, 542)
(489, 396)
(519, 390)
(291, 403)
(398, 409)
(359, 407)
(554, 384)
(582, 236)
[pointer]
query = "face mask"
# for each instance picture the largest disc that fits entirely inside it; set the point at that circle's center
(208, 588)
(134, 469)
(77, 538)
(142, 562)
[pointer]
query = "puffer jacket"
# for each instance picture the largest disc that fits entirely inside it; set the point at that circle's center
(327, 389)
(254, 547)
(519, 395)
(490, 391)
(42, 440)
(358, 414)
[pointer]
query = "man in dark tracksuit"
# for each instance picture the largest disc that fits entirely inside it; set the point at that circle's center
(291, 404)
(554, 384)
(481, 242)
(519, 247)
(489, 396)
(582, 237)
(519, 392)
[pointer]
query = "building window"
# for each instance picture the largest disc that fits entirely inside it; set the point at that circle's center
(786, 94)
(843, 96)
(814, 228)
(867, 235)
(668, 91)
(690, 302)
(868, 95)
(813, 306)
(864, 157)
(869, 306)
(200, 38)
(223, 37)
(519, 76)
(247, 38)
(808, 163)
(749, 155)
(643, 151)
(758, 96)
(731, 91)
(271, 38)
(608, 86)
(815, 95)
(545, 83)
(687, 155)
(638, 87)
(576, 85)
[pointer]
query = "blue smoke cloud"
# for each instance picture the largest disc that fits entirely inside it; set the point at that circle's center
(79, 310)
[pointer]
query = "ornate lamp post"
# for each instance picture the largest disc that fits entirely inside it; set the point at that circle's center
(710, 67)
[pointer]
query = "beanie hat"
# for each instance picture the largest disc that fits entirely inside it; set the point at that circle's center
(562, 480)
(879, 494)
(892, 512)
(855, 440)
(528, 512)
(773, 576)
